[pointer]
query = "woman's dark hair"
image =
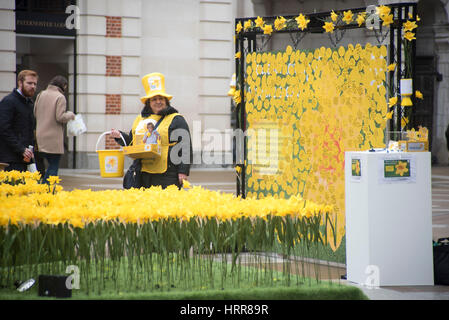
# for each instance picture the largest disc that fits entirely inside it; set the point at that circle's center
(146, 111)
(59, 81)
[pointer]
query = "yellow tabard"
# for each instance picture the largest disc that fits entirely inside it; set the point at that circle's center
(157, 165)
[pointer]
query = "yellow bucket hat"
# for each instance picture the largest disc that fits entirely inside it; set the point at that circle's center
(154, 85)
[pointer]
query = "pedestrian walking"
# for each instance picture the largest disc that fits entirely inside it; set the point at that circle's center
(51, 114)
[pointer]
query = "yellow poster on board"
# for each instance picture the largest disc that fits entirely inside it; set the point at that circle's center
(320, 103)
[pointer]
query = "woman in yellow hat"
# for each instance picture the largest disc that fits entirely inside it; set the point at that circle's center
(173, 166)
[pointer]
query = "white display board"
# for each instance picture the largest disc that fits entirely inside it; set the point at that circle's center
(388, 218)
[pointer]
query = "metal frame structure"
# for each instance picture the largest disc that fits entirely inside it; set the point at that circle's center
(248, 41)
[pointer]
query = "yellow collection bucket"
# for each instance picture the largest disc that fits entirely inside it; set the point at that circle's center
(111, 161)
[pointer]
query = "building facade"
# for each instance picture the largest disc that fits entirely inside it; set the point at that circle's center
(105, 47)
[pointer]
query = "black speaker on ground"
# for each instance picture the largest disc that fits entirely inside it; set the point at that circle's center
(54, 286)
(441, 261)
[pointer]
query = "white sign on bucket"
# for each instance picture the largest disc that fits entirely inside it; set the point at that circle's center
(110, 164)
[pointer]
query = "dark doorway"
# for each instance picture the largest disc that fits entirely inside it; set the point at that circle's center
(425, 77)
(48, 56)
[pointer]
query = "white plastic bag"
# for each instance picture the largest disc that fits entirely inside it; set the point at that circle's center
(32, 167)
(76, 127)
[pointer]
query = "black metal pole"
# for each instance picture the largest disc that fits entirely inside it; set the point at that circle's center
(238, 119)
(399, 62)
(242, 113)
(413, 66)
(391, 74)
(74, 96)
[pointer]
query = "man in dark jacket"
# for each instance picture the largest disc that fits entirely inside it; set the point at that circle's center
(17, 123)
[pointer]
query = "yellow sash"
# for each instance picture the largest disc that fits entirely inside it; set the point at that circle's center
(157, 165)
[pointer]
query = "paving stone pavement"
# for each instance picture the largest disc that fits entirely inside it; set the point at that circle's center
(224, 180)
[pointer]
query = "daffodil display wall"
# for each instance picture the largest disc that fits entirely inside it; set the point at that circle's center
(151, 239)
(304, 110)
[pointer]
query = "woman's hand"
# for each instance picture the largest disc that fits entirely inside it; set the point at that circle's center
(115, 133)
(181, 178)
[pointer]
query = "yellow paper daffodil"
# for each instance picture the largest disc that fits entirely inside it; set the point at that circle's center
(302, 21)
(329, 27)
(409, 36)
(419, 95)
(348, 16)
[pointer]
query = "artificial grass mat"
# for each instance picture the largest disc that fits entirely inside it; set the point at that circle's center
(255, 284)
(320, 291)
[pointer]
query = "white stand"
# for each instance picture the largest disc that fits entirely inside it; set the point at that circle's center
(388, 225)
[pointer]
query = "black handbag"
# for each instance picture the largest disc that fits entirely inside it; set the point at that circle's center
(132, 178)
(441, 261)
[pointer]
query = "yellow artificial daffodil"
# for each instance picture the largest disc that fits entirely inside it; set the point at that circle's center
(409, 36)
(404, 122)
(334, 16)
(387, 19)
(237, 97)
(279, 23)
(419, 95)
(409, 25)
(259, 22)
(267, 29)
(238, 27)
(391, 67)
(361, 18)
(302, 21)
(329, 27)
(389, 115)
(348, 16)
(248, 24)
(383, 11)
(392, 102)
(238, 55)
